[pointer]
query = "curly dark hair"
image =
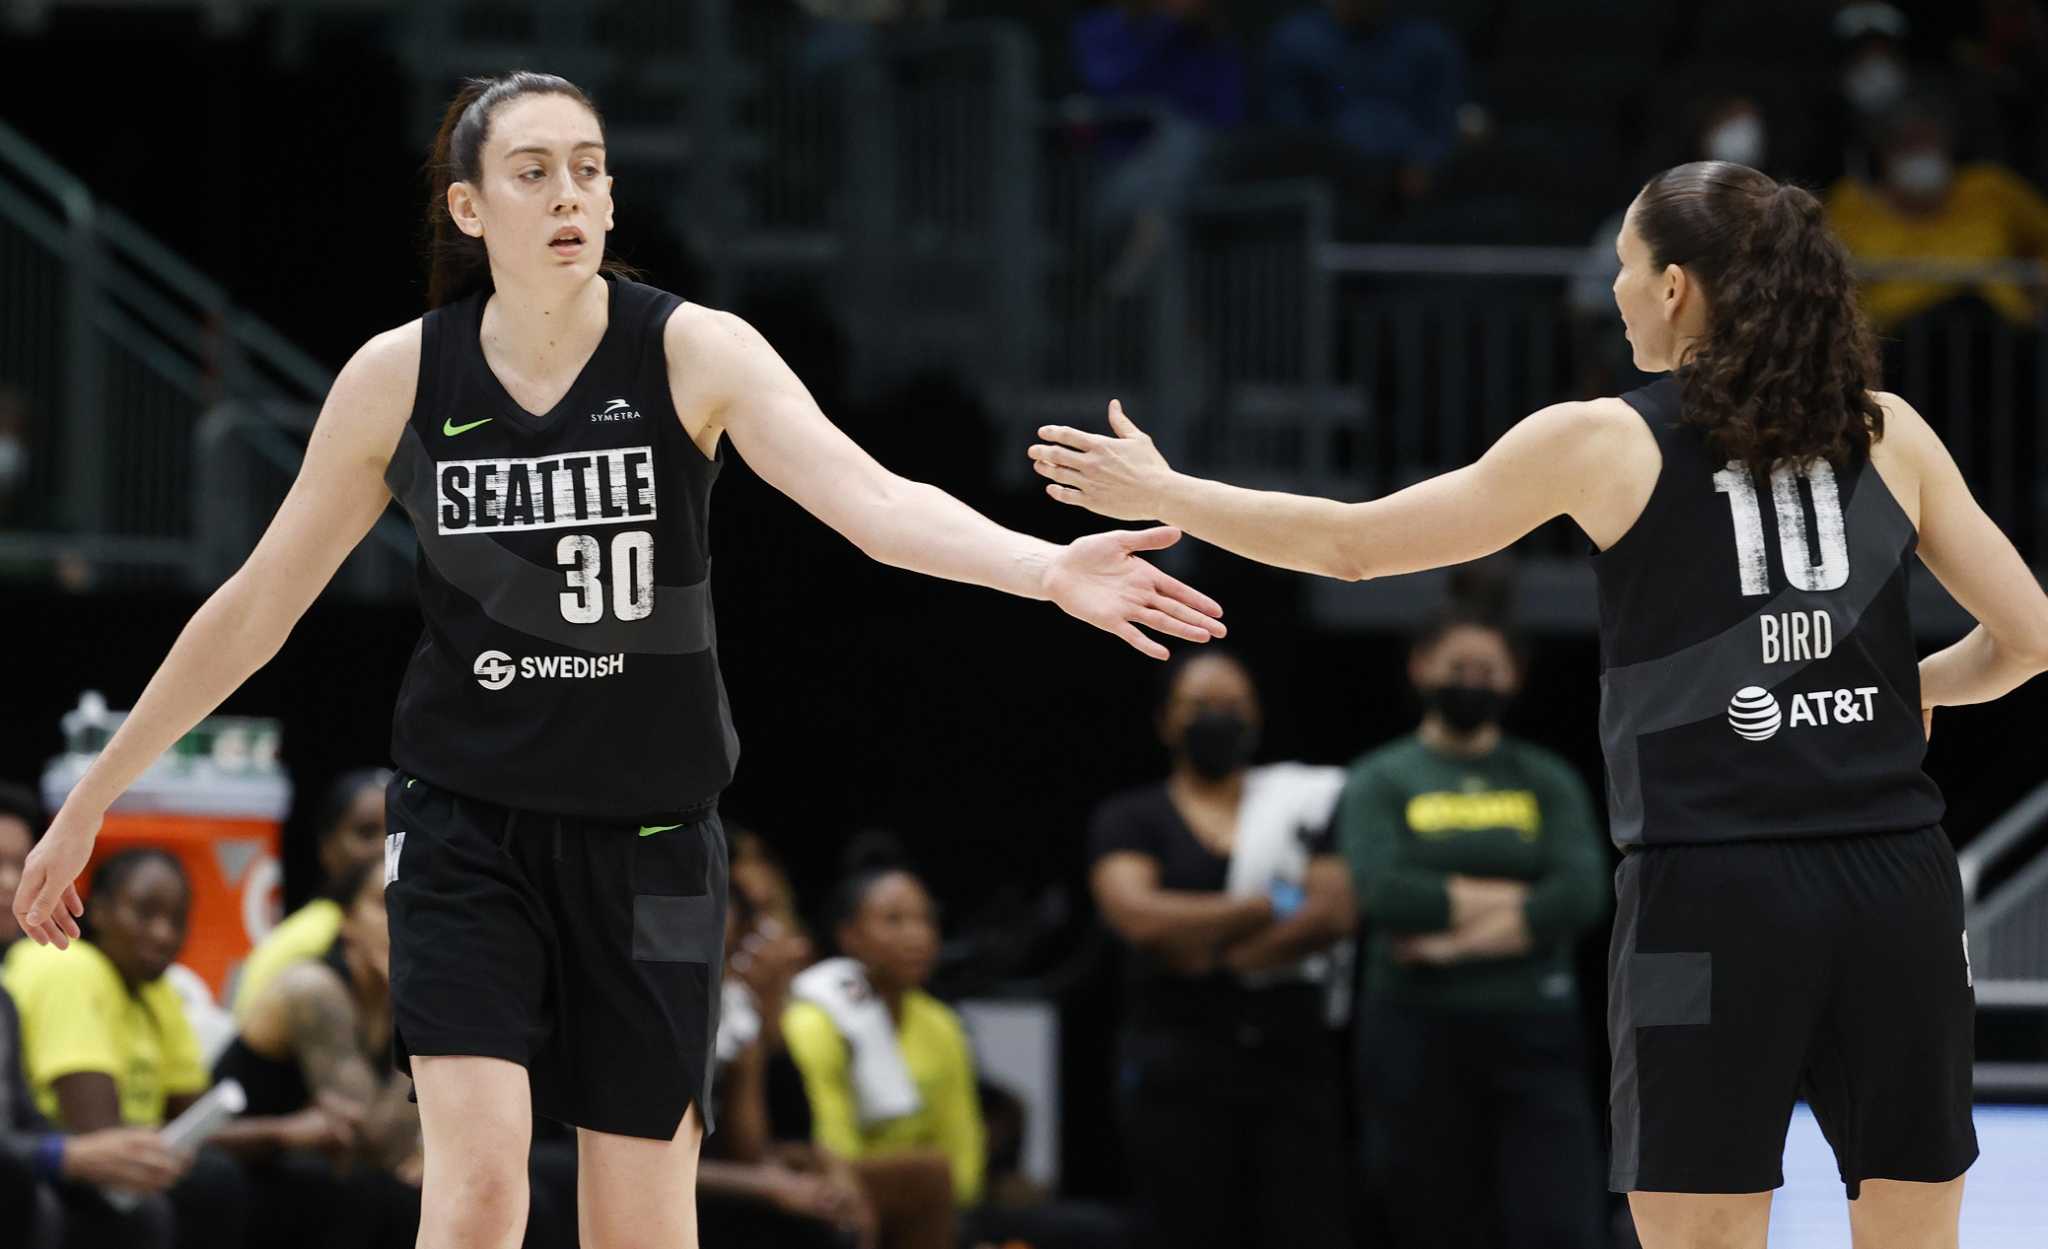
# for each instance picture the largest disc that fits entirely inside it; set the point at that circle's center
(1786, 369)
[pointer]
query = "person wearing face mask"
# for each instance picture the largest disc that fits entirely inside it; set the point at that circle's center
(1222, 883)
(1726, 127)
(1477, 860)
(1926, 206)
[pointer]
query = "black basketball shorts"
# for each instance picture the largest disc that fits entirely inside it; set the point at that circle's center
(589, 953)
(1744, 976)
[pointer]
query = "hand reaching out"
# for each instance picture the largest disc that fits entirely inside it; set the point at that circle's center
(1119, 475)
(1101, 580)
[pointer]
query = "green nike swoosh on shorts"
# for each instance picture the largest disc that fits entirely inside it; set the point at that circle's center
(649, 830)
(450, 428)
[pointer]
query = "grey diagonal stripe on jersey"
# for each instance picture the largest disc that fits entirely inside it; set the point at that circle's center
(1694, 684)
(525, 596)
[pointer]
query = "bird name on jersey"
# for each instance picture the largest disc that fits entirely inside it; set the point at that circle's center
(613, 484)
(1796, 637)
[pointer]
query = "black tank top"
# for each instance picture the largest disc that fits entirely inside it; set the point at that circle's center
(1758, 672)
(569, 662)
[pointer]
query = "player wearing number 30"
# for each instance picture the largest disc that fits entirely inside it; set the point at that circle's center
(1789, 918)
(556, 872)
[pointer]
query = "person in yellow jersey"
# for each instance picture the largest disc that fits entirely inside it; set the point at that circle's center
(886, 1066)
(105, 1043)
(350, 830)
(1926, 206)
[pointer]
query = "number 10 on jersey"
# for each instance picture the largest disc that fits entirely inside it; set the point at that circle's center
(1830, 571)
(631, 576)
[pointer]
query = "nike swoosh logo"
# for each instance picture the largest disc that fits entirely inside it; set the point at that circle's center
(450, 428)
(649, 830)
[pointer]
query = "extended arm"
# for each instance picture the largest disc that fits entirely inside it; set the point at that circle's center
(338, 495)
(727, 379)
(1544, 467)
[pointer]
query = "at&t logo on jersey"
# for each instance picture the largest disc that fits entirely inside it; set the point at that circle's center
(1755, 714)
(495, 669)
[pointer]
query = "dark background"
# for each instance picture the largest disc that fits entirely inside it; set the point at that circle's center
(978, 728)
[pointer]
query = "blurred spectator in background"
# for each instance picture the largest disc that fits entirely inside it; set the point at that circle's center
(1171, 60)
(1389, 89)
(1477, 862)
(886, 1066)
(754, 1187)
(2008, 58)
(21, 822)
(1874, 75)
(1222, 881)
(348, 830)
(319, 1034)
(1726, 127)
(1924, 206)
(845, 30)
(105, 1044)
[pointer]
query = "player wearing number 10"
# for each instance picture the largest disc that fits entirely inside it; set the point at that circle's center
(1790, 919)
(555, 871)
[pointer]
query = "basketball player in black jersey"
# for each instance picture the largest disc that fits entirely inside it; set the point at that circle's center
(555, 869)
(1790, 919)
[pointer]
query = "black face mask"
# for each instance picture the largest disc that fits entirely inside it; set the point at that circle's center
(1218, 743)
(1466, 708)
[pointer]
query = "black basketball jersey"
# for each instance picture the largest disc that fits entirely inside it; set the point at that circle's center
(1758, 673)
(569, 662)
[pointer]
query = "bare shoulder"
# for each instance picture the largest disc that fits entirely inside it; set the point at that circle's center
(701, 336)
(388, 364)
(1908, 454)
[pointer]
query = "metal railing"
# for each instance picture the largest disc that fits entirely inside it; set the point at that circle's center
(116, 348)
(2008, 923)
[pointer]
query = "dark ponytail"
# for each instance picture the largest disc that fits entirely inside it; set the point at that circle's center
(457, 265)
(1785, 371)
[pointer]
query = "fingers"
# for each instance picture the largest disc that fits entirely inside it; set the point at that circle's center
(1124, 426)
(1160, 622)
(1059, 473)
(38, 919)
(72, 901)
(1078, 439)
(1210, 627)
(1157, 538)
(1139, 642)
(1067, 494)
(1061, 457)
(1181, 591)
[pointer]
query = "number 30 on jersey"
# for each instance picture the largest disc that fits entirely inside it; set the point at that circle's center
(1830, 571)
(631, 576)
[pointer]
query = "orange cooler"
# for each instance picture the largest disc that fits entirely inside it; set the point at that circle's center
(217, 801)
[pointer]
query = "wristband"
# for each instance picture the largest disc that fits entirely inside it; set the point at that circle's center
(49, 1156)
(1286, 897)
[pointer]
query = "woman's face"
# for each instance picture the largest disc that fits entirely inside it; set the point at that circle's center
(141, 927)
(358, 836)
(365, 927)
(1648, 296)
(1467, 655)
(1208, 684)
(542, 201)
(895, 933)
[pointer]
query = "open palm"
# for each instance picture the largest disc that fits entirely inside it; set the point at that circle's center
(1101, 580)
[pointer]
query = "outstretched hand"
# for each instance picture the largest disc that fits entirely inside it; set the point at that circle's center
(1101, 580)
(1121, 475)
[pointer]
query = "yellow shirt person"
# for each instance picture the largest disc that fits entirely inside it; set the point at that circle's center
(77, 1015)
(1988, 214)
(941, 1064)
(304, 935)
